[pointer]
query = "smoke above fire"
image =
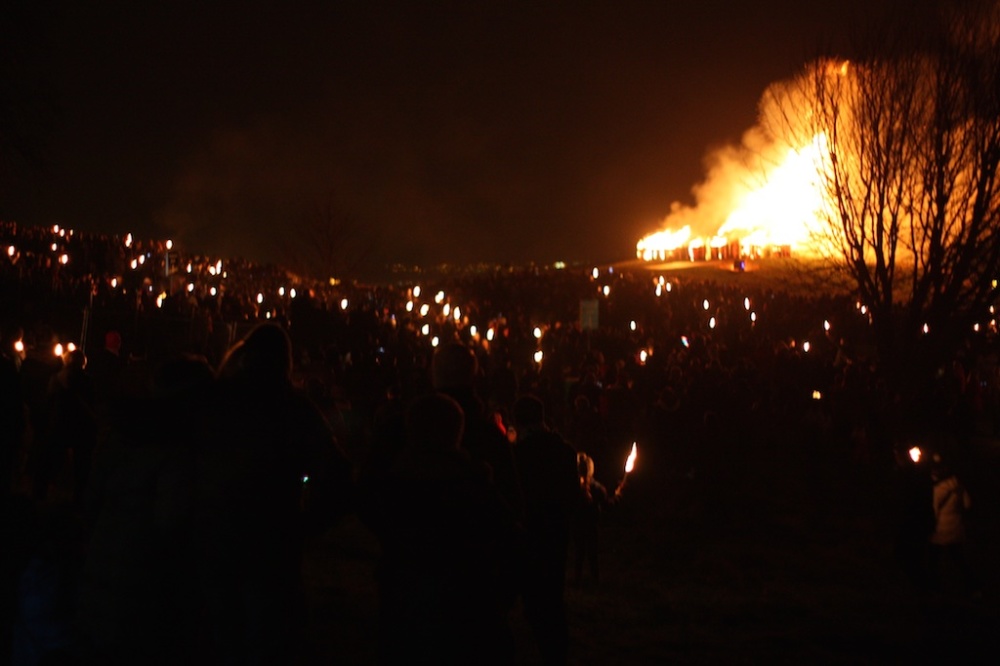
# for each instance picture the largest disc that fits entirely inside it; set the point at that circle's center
(761, 194)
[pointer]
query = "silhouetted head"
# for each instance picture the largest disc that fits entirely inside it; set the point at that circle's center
(113, 342)
(529, 412)
(182, 377)
(434, 422)
(75, 360)
(454, 367)
(265, 354)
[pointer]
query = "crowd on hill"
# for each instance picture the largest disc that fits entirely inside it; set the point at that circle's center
(195, 404)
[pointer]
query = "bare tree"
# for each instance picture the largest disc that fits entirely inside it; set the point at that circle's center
(909, 147)
(328, 242)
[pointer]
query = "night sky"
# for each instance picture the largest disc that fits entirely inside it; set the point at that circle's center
(445, 132)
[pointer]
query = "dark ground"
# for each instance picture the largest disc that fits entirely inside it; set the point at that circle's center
(778, 550)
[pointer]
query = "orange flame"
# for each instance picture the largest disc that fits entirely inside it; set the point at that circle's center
(764, 195)
(630, 462)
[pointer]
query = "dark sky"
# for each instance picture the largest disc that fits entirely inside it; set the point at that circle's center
(458, 131)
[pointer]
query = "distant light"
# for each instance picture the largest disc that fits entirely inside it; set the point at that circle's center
(711, 322)
(190, 287)
(189, 267)
(435, 341)
(213, 291)
(446, 309)
(281, 291)
(260, 298)
(975, 327)
(806, 346)
(409, 306)
(439, 297)
(927, 329)
(746, 304)
(596, 273)
(537, 333)
(606, 290)
(54, 247)
(753, 317)
(457, 312)
(684, 341)
(915, 453)
(211, 270)
(643, 355)
(473, 331)
(58, 349)
(343, 304)
(128, 240)
(134, 264)
(670, 286)
(659, 290)
(425, 329)
(817, 395)
(19, 346)
(631, 325)
(70, 347)
(11, 251)
(114, 283)
(218, 266)
(490, 334)
(559, 265)
(142, 259)
(55, 229)
(170, 244)
(660, 280)
(705, 304)
(424, 309)
(538, 356)
(160, 298)
(826, 325)
(64, 259)
(416, 291)
(864, 309)
(292, 292)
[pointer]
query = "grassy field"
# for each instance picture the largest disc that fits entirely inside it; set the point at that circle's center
(777, 549)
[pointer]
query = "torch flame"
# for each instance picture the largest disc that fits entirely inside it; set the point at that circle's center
(915, 454)
(630, 462)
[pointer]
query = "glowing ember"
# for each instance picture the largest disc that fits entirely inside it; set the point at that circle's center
(630, 462)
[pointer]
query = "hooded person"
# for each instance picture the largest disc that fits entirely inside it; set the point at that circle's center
(270, 469)
(454, 370)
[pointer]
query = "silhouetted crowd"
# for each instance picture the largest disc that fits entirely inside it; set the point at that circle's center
(165, 472)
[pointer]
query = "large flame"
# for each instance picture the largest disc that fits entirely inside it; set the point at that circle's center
(765, 195)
